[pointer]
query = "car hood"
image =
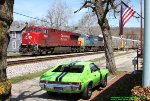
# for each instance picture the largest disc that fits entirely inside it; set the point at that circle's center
(62, 77)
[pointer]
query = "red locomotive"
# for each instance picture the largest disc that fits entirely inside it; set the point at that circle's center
(42, 40)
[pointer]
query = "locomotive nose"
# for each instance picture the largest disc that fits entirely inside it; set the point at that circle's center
(27, 36)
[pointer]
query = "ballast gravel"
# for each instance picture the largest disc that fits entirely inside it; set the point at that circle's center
(20, 70)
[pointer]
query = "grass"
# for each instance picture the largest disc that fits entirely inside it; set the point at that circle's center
(15, 54)
(26, 77)
(117, 73)
(97, 59)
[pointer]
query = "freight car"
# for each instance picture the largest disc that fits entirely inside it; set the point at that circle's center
(42, 40)
(123, 43)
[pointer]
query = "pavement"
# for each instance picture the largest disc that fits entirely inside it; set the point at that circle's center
(29, 90)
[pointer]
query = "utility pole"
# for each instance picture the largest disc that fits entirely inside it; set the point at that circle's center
(132, 39)
(141, 36)
(146, 71)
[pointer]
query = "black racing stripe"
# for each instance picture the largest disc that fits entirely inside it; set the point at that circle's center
(62, 76)
(100, 76)
(58, 76)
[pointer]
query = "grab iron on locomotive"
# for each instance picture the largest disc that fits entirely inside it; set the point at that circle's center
(38, 40)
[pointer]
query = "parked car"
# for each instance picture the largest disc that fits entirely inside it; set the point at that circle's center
(74, 77)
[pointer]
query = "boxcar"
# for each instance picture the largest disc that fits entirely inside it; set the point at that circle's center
(136, 44)
(101, 42)
(115, 42)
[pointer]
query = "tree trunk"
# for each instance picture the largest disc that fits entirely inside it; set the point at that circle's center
(105, 28)
(6, 15)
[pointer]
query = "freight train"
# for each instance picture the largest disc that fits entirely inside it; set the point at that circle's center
(38, 40)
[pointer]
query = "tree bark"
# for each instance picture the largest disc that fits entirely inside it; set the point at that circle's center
(105, 28)
(6, 17)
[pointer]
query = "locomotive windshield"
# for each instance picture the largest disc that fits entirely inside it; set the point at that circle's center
(29, 29)
(36, 29)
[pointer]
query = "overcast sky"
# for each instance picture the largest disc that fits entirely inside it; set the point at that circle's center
(38, 8)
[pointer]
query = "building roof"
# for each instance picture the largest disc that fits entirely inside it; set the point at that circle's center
(17, 28)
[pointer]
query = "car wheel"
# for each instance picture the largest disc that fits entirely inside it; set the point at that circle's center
(87, 92)
(104, 82)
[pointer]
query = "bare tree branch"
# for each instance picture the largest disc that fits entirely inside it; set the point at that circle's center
(58, 15)
(85, 5)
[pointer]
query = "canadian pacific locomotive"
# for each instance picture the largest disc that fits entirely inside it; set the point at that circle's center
(43, 40)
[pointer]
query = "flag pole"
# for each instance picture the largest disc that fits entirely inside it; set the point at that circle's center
(132, 39)
(141, 36)
(121, 26)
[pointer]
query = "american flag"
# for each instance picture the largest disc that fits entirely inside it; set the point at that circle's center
(125, 15)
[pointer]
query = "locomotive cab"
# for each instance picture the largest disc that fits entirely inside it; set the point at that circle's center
(34, 29)
(33, 39)
(33, 35)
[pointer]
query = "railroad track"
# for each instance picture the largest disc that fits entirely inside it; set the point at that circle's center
(18, 62)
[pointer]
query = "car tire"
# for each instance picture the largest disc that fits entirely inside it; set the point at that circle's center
(87, 92)
(104, 82)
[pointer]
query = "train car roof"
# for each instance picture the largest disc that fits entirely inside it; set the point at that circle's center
(76, 34)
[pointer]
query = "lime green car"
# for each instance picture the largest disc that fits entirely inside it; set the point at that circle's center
(74, 77)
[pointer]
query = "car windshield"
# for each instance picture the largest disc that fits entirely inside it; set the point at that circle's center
(69, 68)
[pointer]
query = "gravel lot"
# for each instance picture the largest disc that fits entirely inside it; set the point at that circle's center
(29, 90)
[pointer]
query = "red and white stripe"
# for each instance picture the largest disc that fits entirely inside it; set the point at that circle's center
(127, 14)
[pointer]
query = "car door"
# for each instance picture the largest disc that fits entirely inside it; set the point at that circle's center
(95, 73)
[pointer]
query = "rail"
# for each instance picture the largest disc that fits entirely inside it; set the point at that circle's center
(18, 62)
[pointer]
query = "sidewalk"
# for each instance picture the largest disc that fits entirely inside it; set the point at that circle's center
(123, 63)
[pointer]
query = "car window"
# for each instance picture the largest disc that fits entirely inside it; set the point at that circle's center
(93, 68)
(69, 68)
